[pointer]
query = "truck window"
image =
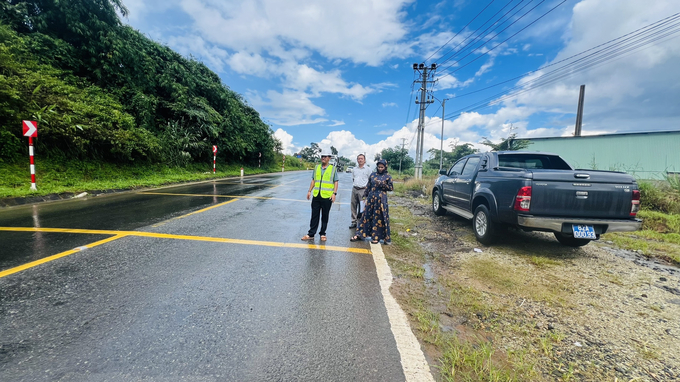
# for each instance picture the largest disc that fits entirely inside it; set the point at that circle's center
(470, 166)
(533, 161)
(457, 168)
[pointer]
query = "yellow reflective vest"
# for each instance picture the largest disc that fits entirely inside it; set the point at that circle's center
(325, 184)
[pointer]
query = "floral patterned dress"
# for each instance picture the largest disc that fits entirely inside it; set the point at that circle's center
(375, 220)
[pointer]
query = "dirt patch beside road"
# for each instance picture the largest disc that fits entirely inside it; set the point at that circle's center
(529, 308)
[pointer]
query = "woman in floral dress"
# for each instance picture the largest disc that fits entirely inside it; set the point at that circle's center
(375, 221)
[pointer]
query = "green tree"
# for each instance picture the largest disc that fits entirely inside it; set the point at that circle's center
(393, 156)
(450, 157)
(311, 154)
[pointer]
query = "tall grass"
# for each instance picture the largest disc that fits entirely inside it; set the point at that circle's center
(413, 185)
(660, 196)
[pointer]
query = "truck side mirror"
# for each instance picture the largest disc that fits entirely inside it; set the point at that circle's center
(443, 172)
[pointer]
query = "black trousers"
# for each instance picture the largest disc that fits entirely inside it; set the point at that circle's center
(319, 206)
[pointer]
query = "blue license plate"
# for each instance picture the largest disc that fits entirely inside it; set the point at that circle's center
(583, 231)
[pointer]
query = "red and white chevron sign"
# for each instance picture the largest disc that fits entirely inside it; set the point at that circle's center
(30, 128)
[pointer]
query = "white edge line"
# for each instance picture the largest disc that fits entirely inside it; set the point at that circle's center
(413, 360)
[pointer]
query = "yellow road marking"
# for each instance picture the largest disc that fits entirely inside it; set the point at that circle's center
(58, 255)
(231, 196)
(119, 234)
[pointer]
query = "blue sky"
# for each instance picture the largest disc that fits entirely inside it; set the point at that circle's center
(340, 72)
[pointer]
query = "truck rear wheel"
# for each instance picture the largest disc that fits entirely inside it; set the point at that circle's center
(437, 205)
(571, 241)
(484, 228)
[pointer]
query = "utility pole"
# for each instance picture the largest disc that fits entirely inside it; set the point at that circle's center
(401, 155)
(579, 111)
(423, 102)
(441, 148)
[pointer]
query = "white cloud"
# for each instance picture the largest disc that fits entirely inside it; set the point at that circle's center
(287, 108)
(389, 104)
(360, 31)
(305, 78)
(249, 63)
(337, 123)
(286, 141)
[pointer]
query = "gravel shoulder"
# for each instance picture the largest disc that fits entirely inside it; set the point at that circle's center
(546, 312)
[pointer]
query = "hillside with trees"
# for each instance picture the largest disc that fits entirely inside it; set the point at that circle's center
(100, 90)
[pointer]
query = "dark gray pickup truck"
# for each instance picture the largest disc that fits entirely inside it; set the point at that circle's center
(537, 191)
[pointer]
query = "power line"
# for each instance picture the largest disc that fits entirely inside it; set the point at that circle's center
(647, 35)
(631, 34)
(480, 36)
(560, 73)
(480, 27)
(462, 29)
(483, 104)
(410, 98)
(504, 41)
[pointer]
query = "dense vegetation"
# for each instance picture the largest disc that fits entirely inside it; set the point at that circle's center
(100, 90)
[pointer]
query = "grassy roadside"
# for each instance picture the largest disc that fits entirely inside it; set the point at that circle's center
(56, 177)
(456, 318)
(491, 317)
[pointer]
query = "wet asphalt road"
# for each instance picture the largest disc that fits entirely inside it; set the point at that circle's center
(168, 309)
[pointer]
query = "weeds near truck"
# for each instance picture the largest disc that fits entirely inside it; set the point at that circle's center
(417, 186)
(673, 181)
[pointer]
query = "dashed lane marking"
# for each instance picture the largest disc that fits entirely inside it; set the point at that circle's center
(119, 234)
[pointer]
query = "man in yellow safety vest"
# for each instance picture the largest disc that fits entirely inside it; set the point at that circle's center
(323, 188)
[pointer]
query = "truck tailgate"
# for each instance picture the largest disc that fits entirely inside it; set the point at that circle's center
(587, 194)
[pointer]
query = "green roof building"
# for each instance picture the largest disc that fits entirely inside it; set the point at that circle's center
(649, 155)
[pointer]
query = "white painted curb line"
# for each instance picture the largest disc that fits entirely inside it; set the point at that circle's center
(413, 360)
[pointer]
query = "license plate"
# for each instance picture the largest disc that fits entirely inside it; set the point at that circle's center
(583, 231)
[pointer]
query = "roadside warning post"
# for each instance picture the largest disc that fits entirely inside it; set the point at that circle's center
(31, 130)
(214, 157)
(283, 163)
(259, 160)
(241, 171)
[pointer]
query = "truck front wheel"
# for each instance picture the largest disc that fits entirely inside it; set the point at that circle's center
(571, 241)
(483, 226)
(437, 204)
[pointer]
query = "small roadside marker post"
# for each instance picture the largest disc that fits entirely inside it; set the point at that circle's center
(30, 129)
(214, 157)
(241, 171)
(259, 159)
(283, 163)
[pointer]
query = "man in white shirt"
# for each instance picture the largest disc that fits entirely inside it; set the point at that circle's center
(360, 176)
